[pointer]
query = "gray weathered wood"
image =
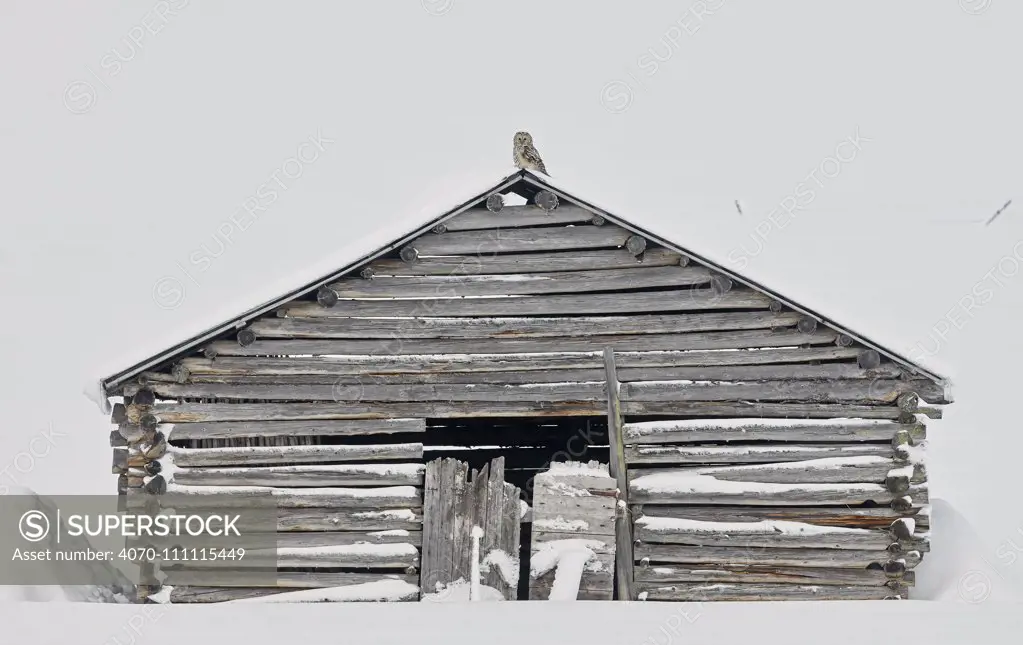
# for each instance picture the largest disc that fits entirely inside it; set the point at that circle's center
(474, 264)
(323, 428)
(713, 454)
(535, 327)
(658, 576)
(751, 430)
(285, 580)
(782, 557)
(208, 496)
(880, 517)
(199, 594)
(740, 339)
(300, 476)
(267, 455)
(749, 409)
(833, 391)
(556, 238)
(520, 284)
(765, 537)
(316, 519)
(296, 539)
(774, 495)
(752, 592)
(517, 217)
(848, 470)
(594, 303)
(618, 470)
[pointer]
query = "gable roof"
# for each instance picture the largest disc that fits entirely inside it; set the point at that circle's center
(526, 184)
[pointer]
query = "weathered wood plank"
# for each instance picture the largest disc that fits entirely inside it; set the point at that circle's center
(318, 519)
(475, 264)
(714, 454)
(617, 469)
(432, 571)
(560, 238)
(536, 327)
(298, 539)
(837, 429)
(285, 580)
(520, 284)
(304, 476)
(728, 556)
(596, 303)
(749, 409)
(830, 470)
(756, 535)
(709, 490)
(370, 365)
(659, 576)
(880, 517)
(183, 594)
(752, 592)
(835, 391)
(269, 455)
(308, 428)
(352, 556)
(517, 217)
(742, 339)
(181, 496)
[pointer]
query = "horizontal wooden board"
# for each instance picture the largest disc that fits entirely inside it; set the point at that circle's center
(838, 429)
(299, 539)
(211, 496)
(747, 454)
(285, 580)
(517, 216)
(726, 555)
(303, 476)
(595, 303)
(502, 284)
(847, 470)
(880, 517)
(559, 238)
(763, 592)
(543, 392)
(750, 409)
(267, 455)
(740, 339)
(318, 519)
(183, 594)
(309, 428)
(834, 391)
(760, 539)
(775, 495)
(658, 576)
(474, 264)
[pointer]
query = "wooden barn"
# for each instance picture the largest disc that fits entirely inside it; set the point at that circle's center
(529, 397)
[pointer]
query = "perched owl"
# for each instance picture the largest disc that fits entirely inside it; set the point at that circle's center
(525, 155)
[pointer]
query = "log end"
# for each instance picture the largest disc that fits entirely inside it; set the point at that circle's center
(895, 569)
(495, 203)
(636, 244)
(844, 340)
(156, 486)
(806, 325)
(326, 297)
(868, 359)
(597, 220)
(902, 504)
(720, 284)
(683, 260)
(901, 529)
(897, 484)
(546, 200)
(439, 229)
(246, 337)
(148, 422)
(408, 254)
(119, 414)
(776, 306)
(152, 468)
(909, 402)
(367, 273)
(209, 352)
(120, 462)
(180, 373)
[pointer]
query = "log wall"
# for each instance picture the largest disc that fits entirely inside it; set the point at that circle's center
(498, 318)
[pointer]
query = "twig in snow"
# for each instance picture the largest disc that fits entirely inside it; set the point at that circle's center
(998, 212)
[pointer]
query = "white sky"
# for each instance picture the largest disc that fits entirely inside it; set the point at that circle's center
(100, 206)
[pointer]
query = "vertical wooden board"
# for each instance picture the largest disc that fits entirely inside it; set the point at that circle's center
(428, 564)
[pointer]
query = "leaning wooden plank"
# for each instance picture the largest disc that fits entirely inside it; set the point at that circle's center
(474, 363)
(742, 339)
(834, 391)
(751, 592)
(268, 455)
(713, 454)
(373, 591)
(596, 303)
(680, 487)
(476, 264)
(517, 217)
(520, 284)
(304, 476)
(561, 238)
(877, 518)
(759, 535)
(198, 577)
(515, 327)
(730, 556)
(750, 409)
(312, 428)
(199, 412)
(756, 429)
(830, 470)
(659, 576)
(404, 393)
(184, 496)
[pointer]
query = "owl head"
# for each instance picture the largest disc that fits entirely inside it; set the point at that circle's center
(523, 139)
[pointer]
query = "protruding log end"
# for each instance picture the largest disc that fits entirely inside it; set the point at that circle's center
(156, 486)
(896, 483)
(868, 359)
(132, 433)
(902, 529)
(895, 569)
(152, 468)
(495, 203)
(148, 422)
(116, 440)
(720, 284)
(636, 244)
(209, 352)
(683, 260)
(597, 220)
(144, 397)
(122, 484)
(909, 402)
(844, 340)
(408, 254)
(180, 373)
(776, 306)
(156, 448)
(439, 229)
(246, 337)
(326, 297)
(806, 325)
(546, 200)
(902, 504)
(367, 273)
(120, 462)
(119, 414)
(901, 438)
(901, 453)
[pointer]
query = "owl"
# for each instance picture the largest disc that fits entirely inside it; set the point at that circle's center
(525, 155)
